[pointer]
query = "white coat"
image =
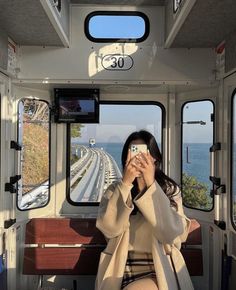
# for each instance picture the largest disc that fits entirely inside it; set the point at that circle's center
(169, 229)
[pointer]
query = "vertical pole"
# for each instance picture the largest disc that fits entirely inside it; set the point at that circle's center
(187, 157)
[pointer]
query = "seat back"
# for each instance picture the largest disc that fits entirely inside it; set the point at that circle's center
(62, 246)
(72, 246)
(192, 250)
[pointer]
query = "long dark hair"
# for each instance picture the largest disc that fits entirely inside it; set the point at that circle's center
(168, 185)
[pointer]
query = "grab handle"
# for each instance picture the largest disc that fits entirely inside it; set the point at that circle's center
(216, 185)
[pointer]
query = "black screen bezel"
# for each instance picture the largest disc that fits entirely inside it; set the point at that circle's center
(79, 94)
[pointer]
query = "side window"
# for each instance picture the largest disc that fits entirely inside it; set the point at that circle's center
(233, 160)
(33, 164)
(94, 155)
(197, 138)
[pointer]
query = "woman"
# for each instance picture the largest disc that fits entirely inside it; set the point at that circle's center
(142, 217)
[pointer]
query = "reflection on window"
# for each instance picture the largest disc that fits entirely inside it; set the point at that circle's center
(132, 26)
(197, 139)
(95, 149)
(234, 163)
(33, 136)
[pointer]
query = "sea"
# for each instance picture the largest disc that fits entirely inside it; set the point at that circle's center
(197, 164)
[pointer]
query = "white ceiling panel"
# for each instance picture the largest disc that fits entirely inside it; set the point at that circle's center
(26, 23)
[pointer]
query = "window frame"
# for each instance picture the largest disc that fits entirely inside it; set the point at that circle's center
(231, 156)
(117, 13)
(49, 154)
(181, 151)
(68, 144)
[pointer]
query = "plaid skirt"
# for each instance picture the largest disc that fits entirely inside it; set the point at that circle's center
(138, 266)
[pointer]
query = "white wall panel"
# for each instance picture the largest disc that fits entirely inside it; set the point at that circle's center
(82, 60)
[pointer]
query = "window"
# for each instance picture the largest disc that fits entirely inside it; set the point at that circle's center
(33, 137)
(94, 158)
(116, 26)
(176, 5)
(233, 165)
(197, 138)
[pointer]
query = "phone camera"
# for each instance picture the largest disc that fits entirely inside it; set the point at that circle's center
(134, 148)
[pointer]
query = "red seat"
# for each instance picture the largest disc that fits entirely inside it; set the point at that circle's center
(64, 246)
(193, 256)
(71, 246)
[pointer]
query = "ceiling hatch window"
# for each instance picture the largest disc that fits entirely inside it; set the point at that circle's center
(116, 26)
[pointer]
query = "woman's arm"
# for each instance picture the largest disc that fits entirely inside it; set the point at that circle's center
(114, 210)
(167, 223)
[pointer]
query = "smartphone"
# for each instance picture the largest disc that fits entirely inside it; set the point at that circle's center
(136, 148)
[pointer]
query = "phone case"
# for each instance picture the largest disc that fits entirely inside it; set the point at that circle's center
(135, 149)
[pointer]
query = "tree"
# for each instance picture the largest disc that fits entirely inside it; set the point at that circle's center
(76, 130)
(195, 193)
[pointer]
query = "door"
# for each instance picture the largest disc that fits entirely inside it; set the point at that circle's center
(197, 117)
(229, 173)
(7, 211)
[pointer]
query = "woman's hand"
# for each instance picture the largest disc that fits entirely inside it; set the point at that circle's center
(130, 171)
(146, 166)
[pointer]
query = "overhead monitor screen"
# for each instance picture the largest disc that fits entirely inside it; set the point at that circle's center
(77, 105)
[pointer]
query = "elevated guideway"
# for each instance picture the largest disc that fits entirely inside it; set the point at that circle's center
(98, 172)
(90, 176)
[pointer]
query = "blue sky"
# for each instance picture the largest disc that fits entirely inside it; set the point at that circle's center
(118, 121)
(195, 133)
(106, 26)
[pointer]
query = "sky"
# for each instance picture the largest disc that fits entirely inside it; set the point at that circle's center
(196, 133)
(118, 121)
(116, 26)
